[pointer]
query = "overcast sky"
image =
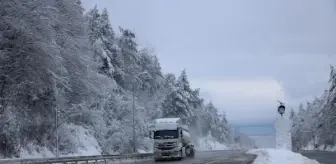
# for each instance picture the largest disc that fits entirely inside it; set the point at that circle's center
(243, 54)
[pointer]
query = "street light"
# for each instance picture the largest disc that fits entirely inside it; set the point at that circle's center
(58, 123)
(133, 120)
(281, 108)
(56, 129)
(133, 106)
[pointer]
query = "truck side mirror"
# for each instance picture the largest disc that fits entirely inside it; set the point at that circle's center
(150, 134)
(181, 133)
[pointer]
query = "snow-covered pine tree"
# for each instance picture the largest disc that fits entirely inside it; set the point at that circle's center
(208, 119)
(215, 123)
(224, 132)
(308, 124)
(150, 93)
(130, 59)
(106, 29)
(297, 125)
(153, 80)
(328, 114)
(177, 102)
(169, 83)
(103, 43)
(93, 24)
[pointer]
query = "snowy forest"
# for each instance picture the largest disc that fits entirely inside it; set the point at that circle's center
(58, 60)
(314, 123)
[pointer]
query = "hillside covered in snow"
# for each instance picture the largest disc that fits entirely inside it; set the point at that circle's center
(57, 60)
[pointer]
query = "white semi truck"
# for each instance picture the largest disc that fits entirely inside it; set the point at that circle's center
(171, 139)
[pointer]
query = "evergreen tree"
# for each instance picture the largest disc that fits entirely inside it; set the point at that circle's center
(102, 39)
(209, 118)
(153, 79)
(332, 78)
(177, 102)
(93, 25)
(130, 59)
(106, 28)
(169, 83)
(309, 125)
(224, 135)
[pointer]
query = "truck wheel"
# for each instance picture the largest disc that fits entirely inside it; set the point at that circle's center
(192, 153)
(188, 151)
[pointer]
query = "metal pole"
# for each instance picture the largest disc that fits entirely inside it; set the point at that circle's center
(57, 151)
(133, 118)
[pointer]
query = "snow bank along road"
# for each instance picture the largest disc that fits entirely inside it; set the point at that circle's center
(212, 157)
(321, 156)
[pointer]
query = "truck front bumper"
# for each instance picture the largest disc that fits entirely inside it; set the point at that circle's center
(166, 154)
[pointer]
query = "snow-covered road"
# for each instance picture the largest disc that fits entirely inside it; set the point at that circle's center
(321, 156)
(264, 156)
(210, 157)
(280, 156)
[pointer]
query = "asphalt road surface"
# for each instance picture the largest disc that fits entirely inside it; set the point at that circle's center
(210, 157)
(321, 156)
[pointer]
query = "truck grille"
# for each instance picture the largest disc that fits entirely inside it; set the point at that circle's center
(165, 154)
(166, 148)
(167, 144)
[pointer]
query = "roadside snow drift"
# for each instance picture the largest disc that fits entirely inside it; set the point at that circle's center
(82, 141)
(210, 143)
(279, 156)
(310, 146)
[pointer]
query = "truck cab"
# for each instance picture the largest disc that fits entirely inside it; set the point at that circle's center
(171, 139)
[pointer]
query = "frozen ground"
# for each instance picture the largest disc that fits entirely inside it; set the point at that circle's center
(279, 156)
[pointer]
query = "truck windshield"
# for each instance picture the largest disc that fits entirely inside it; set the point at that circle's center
(165, 134)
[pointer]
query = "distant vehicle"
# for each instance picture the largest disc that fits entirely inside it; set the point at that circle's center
(171, 139)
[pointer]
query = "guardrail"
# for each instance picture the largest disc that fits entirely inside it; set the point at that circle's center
(106, 159)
